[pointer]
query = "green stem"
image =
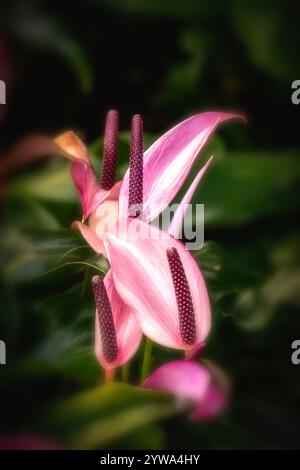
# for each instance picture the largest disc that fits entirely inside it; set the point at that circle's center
(146, 359)
(125, 372)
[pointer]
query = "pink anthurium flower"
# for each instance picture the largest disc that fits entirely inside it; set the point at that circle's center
(155, 286)
(157, 277)
(192, 382)
(167, 163)
(153, 179)
(118, 333)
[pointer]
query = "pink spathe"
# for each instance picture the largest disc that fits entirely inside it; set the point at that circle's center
(143, 279)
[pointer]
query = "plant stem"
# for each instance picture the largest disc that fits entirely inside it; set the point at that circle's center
(109, 375)
(146, 359)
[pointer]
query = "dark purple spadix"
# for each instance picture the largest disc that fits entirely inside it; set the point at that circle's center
(110, 149)
(187, 321)
(106, 321)
(135, 199)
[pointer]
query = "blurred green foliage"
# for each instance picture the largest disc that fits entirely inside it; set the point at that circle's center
(165, 60)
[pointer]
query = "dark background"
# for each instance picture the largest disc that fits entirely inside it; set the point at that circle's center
(65, 64)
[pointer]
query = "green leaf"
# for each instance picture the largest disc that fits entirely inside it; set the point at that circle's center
(243, 187)
(42, 253)
(255, 307)
(53, 183)
(41, 31)
(271, 44)
(225, 273)
(148, 437)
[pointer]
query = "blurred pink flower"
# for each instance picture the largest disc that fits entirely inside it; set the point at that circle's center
(192, 382)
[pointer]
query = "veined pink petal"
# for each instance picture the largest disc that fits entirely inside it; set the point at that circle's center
(102, 195)
(127, 329)
(91, 195)
(143, 279)
(168, 161)
(176, 224)
(184, 378)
